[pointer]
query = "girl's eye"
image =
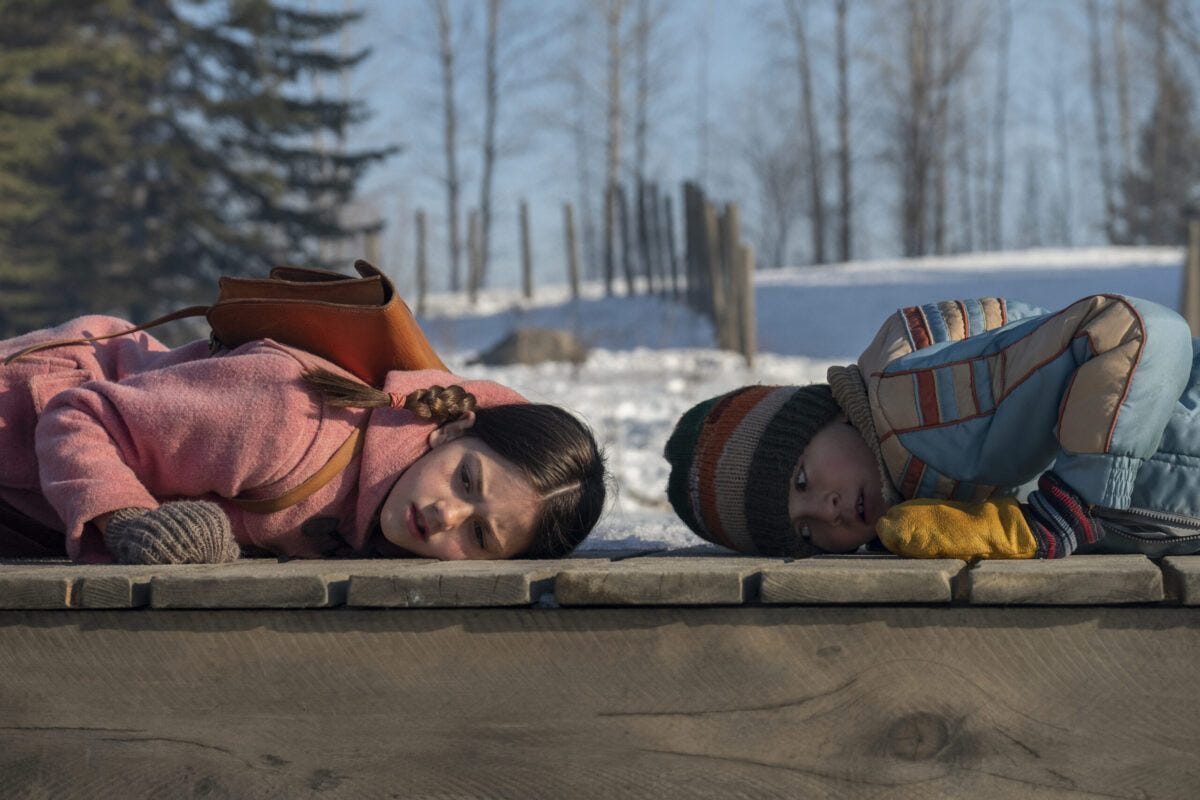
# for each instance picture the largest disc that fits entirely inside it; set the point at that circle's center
(465, 475)
(801, 480)
(480, 539)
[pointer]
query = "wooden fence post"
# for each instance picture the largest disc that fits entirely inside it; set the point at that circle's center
(422, 265)
(1190, 299)
(691, 244)
(474, 233)
(747, 324)
(572, 250)
(526, 253)
(672, 255)
(643, 234)
(715, 295)
(610, 234)
(626, 243)
(729, 230)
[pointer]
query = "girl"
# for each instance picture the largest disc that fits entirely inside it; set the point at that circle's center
(126, 450)
(950, 410)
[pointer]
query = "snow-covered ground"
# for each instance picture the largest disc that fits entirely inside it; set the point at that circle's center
(652, 359)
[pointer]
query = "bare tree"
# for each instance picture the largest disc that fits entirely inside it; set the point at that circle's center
(846, 221)
(938, 49)
(702, 65)
(1124, 115)
(1100, 116)
(1062, 134)
(1030, 226)
(449, 136)
(999, 129)
(778, 170)
(1162, 75)
(490, 103)
(612, 174)
(808, 120)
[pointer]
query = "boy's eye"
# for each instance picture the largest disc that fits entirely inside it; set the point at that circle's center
(464, 475)
(801, 480)
(480, 539)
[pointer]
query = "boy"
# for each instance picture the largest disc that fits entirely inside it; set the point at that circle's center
(951, 409)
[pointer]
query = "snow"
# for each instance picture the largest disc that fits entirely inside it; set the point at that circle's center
(652, 359)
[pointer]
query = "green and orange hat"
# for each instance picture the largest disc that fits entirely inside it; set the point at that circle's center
(731, 459)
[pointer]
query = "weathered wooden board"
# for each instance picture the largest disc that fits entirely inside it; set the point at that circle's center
(1076, 580)
(1181, 578)
(751, 702)
(677, 580)
(861, 579)
(66, 585)
(455, 584)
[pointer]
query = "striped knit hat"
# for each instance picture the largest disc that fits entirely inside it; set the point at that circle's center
(731, 459)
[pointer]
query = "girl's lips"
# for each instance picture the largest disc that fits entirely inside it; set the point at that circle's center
(414, 525)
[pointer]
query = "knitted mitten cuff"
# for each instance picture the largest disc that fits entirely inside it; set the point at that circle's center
(1058, 518)
(183, 532)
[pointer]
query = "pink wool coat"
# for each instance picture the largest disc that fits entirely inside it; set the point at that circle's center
(88, 429)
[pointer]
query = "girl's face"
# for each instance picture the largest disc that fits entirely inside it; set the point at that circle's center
(835, 491)
(460, 500)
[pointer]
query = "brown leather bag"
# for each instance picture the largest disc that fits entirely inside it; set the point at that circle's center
(360, 324)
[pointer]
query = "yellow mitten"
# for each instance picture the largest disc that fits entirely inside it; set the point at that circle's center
(948, 529)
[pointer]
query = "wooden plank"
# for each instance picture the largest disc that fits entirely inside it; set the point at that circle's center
(36, 587)
(1181, 577)
(653, 580)
(649, 703)
(66, 585)
(253, 584)
(861, 579)
(453, 584)
(1075, 580)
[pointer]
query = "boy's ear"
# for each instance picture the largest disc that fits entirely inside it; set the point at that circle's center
(450, 431)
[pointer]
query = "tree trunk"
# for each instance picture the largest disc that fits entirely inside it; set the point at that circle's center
(1062, 130)
(999, 130)
(1124, 115)
(572, 250)
(846, 222)
(490, 105)
(449, 125)
(613, 151)
(422, 264)
(1100, 112)
(809, 122)
(1162, 227)
(641, 124)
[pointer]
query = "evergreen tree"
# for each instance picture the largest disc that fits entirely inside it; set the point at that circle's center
(176, 144)
(1157, 189)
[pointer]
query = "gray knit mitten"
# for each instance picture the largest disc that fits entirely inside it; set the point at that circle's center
(183, 532)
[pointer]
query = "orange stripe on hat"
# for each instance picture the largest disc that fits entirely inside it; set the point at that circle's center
(720, 425)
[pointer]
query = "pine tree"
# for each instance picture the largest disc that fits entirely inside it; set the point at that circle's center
(179, 147)
(1157, 190)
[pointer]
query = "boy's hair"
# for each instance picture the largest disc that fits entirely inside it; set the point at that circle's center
(732, 458)
(555, 452)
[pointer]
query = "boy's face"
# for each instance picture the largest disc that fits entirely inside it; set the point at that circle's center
(834, 491)
(461, 500)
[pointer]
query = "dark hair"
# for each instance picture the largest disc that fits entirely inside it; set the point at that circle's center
(556, 452)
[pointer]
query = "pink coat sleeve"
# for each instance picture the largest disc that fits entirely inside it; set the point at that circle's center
(219, 425)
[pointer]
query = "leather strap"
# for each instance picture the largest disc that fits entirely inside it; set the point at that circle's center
(336, 463)
(190, 311)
